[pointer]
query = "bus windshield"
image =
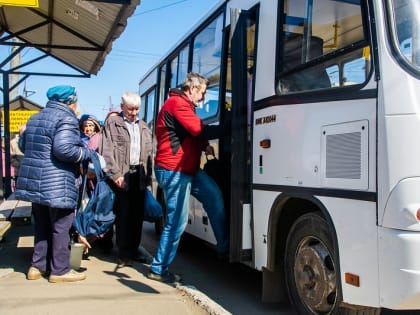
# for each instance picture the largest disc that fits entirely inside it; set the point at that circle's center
(404, 18)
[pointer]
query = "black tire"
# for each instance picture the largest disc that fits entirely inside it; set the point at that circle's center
(310, 267)
(311, 273)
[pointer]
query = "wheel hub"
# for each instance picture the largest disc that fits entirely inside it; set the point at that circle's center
(315, 277)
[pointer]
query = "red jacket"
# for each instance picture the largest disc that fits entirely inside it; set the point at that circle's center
(177, 128)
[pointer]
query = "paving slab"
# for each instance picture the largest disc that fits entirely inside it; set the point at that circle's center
(106, 290)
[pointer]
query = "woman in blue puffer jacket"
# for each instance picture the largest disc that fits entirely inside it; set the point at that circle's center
(53, 152)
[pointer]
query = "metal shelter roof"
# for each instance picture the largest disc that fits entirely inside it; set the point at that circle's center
(22, 103)
(79, 33)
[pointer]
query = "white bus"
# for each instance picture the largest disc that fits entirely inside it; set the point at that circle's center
(321, 171)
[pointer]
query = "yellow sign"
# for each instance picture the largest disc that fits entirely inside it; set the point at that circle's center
(18, 118)
(21, 3)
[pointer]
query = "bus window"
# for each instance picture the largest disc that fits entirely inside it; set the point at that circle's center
(210, 106)
(407, 48)
(333, 74)
(174, 73)
(183, 65)
(142, 111)
(207, 61)
(322, 45)
(354, 72)
(354, 69)
(405, 18)
(150, 109)
(207, 49)
(179, 68)
(162, 86)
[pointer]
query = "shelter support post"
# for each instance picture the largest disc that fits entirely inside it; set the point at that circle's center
(6, 174)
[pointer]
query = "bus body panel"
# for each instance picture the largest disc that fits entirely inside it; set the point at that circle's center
(262, 204)
(398, 178)
(398, 117)
(198, 222)
(402, 206)
(296, 158)
(399, 269)
(296, 133)
(358, 247)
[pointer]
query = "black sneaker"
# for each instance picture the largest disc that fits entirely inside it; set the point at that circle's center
(166, 278)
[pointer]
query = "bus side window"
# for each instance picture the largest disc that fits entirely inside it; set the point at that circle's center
(309, 78)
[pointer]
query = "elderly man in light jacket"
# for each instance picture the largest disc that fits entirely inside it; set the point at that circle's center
(126, 146)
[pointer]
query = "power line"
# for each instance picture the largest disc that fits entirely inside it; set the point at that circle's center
(159, 8)
(133, 52)
(130, 58)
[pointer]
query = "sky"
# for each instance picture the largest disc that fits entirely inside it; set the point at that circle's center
(154, 28)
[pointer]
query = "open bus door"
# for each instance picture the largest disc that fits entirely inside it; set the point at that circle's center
(242, 59)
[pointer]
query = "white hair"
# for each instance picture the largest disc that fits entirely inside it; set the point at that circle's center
(193, 80)
(130, 99)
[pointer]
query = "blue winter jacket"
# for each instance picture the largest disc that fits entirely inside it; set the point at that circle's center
(52, 154)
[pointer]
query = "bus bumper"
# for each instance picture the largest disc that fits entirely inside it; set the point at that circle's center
(399, 269)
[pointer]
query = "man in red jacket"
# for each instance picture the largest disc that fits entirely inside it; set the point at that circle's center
(179, 134)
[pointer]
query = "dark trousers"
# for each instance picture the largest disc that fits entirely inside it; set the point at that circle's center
(129, 213)
(52, 239)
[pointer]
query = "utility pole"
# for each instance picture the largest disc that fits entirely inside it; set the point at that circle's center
(111, 106)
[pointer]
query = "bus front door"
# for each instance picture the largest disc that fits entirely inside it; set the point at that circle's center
(242, 47)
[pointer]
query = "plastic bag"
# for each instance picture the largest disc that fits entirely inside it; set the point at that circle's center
(96, 216)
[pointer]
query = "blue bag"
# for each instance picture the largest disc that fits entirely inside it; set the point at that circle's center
(97, 217)
(152, 208)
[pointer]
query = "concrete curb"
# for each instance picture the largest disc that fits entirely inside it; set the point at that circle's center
(203, 300)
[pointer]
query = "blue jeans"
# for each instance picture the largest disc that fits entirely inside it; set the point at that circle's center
(177, 187)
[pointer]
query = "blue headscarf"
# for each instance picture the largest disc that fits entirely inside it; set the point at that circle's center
(62, 93)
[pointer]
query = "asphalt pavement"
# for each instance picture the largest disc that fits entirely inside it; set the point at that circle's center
(107, 290)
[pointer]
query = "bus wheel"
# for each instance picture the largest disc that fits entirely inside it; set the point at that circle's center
(310, 267)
